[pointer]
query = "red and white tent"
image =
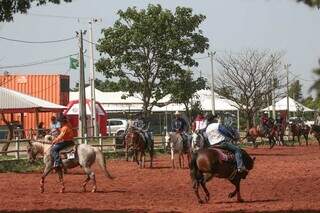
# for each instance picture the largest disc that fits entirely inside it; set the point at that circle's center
(73, 111)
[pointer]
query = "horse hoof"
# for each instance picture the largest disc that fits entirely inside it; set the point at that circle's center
(41, 190)
(94, 190)
(83, 189)
(200, 201)
(240, 200)
(231, 195)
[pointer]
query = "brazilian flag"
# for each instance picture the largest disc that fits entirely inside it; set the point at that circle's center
(73, 63)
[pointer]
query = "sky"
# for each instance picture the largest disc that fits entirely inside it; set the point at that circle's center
(231, 26)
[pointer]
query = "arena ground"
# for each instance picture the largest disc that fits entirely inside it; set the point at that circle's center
(284, 179)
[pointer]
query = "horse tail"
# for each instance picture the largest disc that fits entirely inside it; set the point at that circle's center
(102, 162)
(195, 173)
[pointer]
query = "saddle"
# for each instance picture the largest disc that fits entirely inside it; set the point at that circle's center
(69, 152)
(223, 154)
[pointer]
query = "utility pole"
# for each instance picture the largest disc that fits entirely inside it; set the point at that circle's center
(286, 67)
(82, 94)
(273, 96)
(92, 82)
(211, 54)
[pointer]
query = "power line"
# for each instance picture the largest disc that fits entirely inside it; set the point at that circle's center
(37, 62)
(60, 16)
(37, 42)
(302, 79)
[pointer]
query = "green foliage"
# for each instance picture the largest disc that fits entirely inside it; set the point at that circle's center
(20, 166)
(146, 48)
(295, 90)
(316, 85)
(311, 3)
(10, 7)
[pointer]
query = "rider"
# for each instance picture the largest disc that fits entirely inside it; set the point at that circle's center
(200, 123)
(180, 126)
(264, 121)
(218, 134)
(55, 127)
(63, 140)
(141, 124)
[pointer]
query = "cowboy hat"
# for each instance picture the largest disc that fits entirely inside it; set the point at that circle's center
(177, 113)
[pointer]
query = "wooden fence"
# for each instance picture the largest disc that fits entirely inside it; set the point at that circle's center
(111, 143)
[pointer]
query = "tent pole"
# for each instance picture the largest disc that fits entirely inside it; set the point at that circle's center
(37, 122)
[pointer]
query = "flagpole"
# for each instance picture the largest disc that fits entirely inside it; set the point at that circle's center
(92, 83)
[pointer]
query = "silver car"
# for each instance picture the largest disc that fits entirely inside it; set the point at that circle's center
(117, 126)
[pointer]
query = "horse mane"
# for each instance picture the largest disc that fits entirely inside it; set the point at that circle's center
(42, 147)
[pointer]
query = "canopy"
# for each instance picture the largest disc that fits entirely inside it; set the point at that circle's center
(16, 102)
(73, 108)
(294, 106)
(114, 101)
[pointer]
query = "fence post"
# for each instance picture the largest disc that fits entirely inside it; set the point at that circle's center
(100, 142)
(85, 139)
(17, 148)
(114, 142)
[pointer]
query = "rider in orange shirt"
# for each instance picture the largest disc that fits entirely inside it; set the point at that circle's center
(64, 139)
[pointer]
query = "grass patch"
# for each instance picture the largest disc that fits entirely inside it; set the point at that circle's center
(20, 166)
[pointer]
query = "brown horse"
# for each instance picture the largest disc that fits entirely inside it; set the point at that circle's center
(255, 132)
(298, 130)
(135, 142)
(213, 162)
(315, 130)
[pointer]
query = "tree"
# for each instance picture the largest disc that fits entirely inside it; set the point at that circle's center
(248, 75)
(311, 3)
(316, 85)
(145, 48)
(10, 7)
(295, 90)
(183, 90)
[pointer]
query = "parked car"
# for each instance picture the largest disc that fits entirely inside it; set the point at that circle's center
(117, 126)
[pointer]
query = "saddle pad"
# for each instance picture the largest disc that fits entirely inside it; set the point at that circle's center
(70, 148)
(224, 155)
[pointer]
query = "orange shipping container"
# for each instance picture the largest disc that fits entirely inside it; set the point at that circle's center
(53, 88)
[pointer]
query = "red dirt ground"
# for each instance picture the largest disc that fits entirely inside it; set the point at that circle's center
(284, 179)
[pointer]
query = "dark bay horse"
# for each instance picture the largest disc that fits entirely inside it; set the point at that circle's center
(315, 130)
(180, 146)
(136, 143)
(255, 132)
(211, 162)
(298, 130)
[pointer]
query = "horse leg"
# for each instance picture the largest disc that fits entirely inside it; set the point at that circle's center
(60, 174)
(143, 156)
(299, 139)
(151, 154)
(90, 176)
(206, 191)
(172, 158)
(46, 171)
(180, 154)
(127, 150)
(189, 158)
(306, 138)
(236, 183)
(196, 191)
(85, 183)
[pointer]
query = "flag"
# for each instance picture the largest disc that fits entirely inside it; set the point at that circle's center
(73, 63)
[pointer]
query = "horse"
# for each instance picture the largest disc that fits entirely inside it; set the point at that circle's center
(85, 156)
(181, 146)
(213, 162)
(315, 130)
(255, 132)
(138, 145)
(299, 129)
(198, 141)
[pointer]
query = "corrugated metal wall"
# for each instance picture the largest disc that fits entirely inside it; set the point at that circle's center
(53, 88)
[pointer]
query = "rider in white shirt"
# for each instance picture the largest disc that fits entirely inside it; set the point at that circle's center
(219, 135)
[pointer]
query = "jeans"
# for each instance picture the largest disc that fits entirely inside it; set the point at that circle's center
(236, 150)
(55, 149)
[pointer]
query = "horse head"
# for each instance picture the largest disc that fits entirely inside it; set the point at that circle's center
(31, 152)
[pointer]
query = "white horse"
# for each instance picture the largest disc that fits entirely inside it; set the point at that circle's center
(86, 156)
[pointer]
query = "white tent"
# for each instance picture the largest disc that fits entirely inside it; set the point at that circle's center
(294, 106)
(115, 101)
(15, 102)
